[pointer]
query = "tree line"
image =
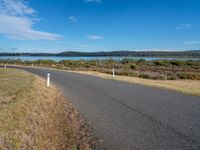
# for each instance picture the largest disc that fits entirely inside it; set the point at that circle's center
(191, 54)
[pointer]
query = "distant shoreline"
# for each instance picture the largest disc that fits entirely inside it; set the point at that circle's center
(155, 54)
(102, 56)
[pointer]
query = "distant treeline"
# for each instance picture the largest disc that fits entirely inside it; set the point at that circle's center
(191, 54)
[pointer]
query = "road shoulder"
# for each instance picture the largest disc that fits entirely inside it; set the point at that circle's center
(33, 116)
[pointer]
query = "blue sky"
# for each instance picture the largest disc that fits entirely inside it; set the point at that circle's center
(98, 25)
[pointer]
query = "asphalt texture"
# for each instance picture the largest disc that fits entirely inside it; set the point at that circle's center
(130, 116)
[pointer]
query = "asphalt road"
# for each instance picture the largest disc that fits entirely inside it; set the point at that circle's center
(130, 116)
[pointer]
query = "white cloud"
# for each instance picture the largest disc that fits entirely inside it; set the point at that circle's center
(94, 37)
(184, 26)
(16, 22)
(16, 7)
(73, 19)
(93, 1)
(191, 42)
(86, 46)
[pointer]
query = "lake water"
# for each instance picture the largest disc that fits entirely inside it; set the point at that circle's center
(56, 58)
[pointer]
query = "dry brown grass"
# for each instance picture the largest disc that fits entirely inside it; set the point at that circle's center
(191, 87)
(35, 117)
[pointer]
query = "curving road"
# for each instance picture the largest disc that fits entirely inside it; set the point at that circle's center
(130, 116)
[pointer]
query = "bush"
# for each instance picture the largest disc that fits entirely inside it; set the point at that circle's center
(126, 61)
(171, 78)
(161, 63)
(177, 62)
(133, 66)
(141, 60)
(145, 76)
(159, 77)
(189, 76)
(46, 62)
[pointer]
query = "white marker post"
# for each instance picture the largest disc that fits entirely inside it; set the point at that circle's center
(113, 71)
(48, 79)
(32, 65)
(4, 65)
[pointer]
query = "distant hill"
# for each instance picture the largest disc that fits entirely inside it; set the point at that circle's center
(191, 53)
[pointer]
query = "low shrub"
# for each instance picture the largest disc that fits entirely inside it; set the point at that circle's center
(133, 66)
(141, 61)
(161, 63)
(145, 76)
(126, 61)
(189, 76)
(176, 62)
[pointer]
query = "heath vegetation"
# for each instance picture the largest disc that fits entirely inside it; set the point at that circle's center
(155, 69)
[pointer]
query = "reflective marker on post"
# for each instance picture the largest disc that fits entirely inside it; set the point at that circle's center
(48, 79)
(113, 71)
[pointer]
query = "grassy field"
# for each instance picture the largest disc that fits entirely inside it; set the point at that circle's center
(33, 116)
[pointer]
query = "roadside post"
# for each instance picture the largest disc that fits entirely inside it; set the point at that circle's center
(113, 71)
(32, 65)
(5, 66)
(48, 79)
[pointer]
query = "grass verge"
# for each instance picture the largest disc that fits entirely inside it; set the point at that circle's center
(190, 87)
(33, 116)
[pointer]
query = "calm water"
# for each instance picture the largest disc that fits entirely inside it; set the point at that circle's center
(55, 58)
